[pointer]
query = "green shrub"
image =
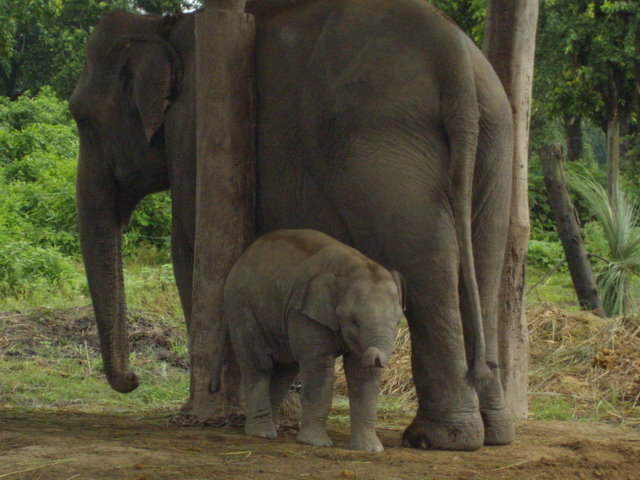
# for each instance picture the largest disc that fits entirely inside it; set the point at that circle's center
(619, 221)
(38, 158)
(545, 254)
(24, 266)
(38, 220)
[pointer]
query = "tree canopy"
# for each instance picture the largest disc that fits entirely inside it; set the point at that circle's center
(42, 41)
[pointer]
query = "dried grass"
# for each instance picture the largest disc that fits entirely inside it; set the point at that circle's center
(594, 361)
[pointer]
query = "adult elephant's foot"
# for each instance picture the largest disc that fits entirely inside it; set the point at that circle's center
(498, 427)
(464, 432)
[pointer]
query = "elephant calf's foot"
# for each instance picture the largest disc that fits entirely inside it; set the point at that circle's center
(367, 441)
(315, 436)
(466, 432)
(498, 427)
(260, 429)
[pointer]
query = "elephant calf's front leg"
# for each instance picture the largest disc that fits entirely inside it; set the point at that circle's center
(317, 377)
(363, 384)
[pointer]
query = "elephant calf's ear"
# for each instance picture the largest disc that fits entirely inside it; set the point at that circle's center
(317, 300)
(151, 68)
(402, 288)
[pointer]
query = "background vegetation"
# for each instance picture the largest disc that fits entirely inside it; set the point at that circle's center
(586, 87)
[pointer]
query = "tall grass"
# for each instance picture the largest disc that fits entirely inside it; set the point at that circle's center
(620, 223)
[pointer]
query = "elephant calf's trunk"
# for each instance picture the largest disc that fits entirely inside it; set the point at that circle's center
(374, 357)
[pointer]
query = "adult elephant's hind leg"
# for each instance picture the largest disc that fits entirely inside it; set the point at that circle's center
(490, 225)
(448, 417)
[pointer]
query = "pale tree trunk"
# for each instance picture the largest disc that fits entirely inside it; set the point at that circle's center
(225, 179)
(510, 39)
(566, 219)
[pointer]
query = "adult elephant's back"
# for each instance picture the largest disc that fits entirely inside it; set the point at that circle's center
(334, 76)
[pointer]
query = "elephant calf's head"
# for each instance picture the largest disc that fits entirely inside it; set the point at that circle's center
(362, 301)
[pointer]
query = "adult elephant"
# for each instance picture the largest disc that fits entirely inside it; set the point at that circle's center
(379, 122)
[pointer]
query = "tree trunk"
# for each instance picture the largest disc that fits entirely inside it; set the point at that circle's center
(510, 47)
(613, 157)
(565, 217)
(573, 130)
(225, 179)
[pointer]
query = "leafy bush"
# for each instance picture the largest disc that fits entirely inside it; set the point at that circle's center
(619, 221)
(24, 266)
(38, 158)
(546, 254)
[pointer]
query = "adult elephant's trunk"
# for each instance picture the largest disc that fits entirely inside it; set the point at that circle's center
(100, 239)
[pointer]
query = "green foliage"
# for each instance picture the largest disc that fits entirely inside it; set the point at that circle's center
(585, 57)
(24, 266)
(38, 149)
(620, 227)
(469, 15)
(38, 234)
(545, 254)
(150, 224)
(42, 41)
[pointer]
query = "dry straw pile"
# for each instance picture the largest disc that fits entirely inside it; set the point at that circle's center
(593, 363)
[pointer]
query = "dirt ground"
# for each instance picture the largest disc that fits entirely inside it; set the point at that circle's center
(78, 446)
(71, 445)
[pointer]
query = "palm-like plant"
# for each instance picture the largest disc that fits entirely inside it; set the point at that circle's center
(619, 218)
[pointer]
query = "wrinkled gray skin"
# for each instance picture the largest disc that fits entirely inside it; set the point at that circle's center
(372, 115)
(296, 300)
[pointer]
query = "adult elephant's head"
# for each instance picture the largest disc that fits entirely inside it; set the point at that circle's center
(131, 75)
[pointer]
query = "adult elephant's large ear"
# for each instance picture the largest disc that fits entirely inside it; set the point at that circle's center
(153, 68)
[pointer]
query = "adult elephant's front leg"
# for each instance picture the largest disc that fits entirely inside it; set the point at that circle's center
(448, 417)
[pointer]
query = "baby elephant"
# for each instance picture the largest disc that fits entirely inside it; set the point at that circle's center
(296, 300)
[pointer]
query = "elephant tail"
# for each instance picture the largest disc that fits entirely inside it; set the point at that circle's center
(462, 123)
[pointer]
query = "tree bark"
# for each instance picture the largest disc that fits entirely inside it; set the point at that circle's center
(225, 179)
(573, 130)
(510, 37)
(613, 157)
(568, 229)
